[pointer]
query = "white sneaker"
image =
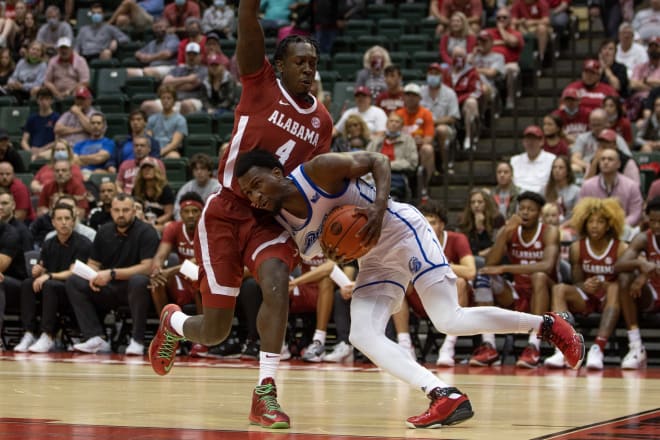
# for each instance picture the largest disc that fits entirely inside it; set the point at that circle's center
(314, 352)
(285, 354)
(26, 341)
(445, 357)
(635, 358)
(343, 352)
(93, 345)
(467, 144)
(595, 358)
(134, 348)
(556, 360)
(43, 345)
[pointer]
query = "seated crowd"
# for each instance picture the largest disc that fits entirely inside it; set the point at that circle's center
(106, 200)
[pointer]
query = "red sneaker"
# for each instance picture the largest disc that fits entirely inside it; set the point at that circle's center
(484, 355)
(266, 412)
(557, 330)
(165, 343)
(199, 351)
(529, 358)
(448, 407)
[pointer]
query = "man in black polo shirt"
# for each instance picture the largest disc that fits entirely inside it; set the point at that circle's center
(10, 248)
(7, 209)
(47, 279)
(121, 254)
(101, 215)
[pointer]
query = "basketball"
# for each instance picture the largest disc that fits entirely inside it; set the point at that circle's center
(340, 232)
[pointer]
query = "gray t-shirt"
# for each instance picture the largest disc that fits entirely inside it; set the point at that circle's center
(49, 36)
(445, 104)
(185, 70)
(93, 40)
(169, 43)
(163, 127)
(586, 144)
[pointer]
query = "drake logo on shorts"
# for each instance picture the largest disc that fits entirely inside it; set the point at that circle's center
(414, 265)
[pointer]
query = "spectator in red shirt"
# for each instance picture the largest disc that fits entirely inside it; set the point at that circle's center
(554, 140)
(533, 17)
(467, 85)
(177, 12)
(575, 120)
(17, 188)
(64, 183)
(392, 98)
(590, 89)
(194, 32)
(458, 35)
(472, 9)
(617, 119)
(509, 42)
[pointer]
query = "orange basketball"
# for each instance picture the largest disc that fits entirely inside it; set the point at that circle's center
(340, 232)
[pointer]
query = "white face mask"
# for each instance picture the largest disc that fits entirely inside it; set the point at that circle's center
(219, 3)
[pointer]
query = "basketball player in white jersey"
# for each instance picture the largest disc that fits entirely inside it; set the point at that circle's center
(405, 249)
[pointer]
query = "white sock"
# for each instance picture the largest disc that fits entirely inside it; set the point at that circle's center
(488, 338)
(319, 335)
(268, 363)
(176, 321)
(534, 340)
(634, 337)
(449, 342)
(404, 339)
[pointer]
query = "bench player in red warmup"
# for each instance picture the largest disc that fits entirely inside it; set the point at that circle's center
(284, 118)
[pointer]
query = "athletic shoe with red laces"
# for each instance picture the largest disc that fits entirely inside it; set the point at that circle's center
(266, 412)
(561, 333)
(448, 407)
(529, 358)
(484, 355)
(199, 351)
(165, 343)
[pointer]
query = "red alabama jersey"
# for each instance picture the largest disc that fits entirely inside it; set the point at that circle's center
(521, 252)
(176, 235)
(598, 265)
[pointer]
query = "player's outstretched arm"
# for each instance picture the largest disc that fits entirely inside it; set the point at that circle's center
(250, 46)
(629, 261)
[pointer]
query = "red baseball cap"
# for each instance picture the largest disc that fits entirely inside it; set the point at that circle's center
(83, 92)
(362, 90)
(569, 93)
(607, 135)
(435, 66)
(592, 65)
(484, 35)
(533, 130)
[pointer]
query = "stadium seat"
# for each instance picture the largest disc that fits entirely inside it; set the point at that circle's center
(366, 42)
(138, 98)
(356, 27)
(143, 84)
(401, 58)
(199, 123)
(117, 124)
(328, 78)
(343, 43)
(411, 43)
(7, 101)
(13, 118)
(377, 12)
(26, 178)
(414, 74)
(177, 169)
(109, 82)
(200, 143)
(392, 28)
(111, 103)
(225, 125)
(421, 59)
(104, 64)
(99, 178)
(413, 13)
(26, 156)
(228, 47)
(427, 26)
(36, 165)
(347, 64)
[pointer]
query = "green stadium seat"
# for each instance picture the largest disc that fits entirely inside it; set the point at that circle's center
(347, 64)
(143, 84)
(228, 47)
(325, 62)
(366, 42)
(413, 13)
(200, 143)
(328, 78)
(422, 58)
(409, 75)
(99, 178)
(392, 28)
(411, 43)
(138, 98)
(342, 98)
(111, 103)
(380, 11)
(128, 49)
(527, 61)
(117, 124)
(7, 101)
(26, 156)
(401, 58)
(109, 82)
(225, 125)
(176, 169)
(104, 64)
(12, 119)
(199, 123)
(356, 27)
(36, 165)
(343, 43)
(26, 178)
(427, 26)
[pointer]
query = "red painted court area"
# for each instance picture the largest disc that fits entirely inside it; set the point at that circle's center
(634, 427)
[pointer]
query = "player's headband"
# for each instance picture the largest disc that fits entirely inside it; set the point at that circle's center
(191, 203)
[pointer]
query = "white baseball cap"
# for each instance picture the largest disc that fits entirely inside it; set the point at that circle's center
(64, 41)
(192, 47)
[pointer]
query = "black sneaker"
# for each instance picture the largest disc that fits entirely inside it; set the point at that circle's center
(228, 349)
(250, 351)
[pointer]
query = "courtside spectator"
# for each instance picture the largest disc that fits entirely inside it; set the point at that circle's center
(608, 139)
(648, 137)
(67, 71)
(152, 188)
(99, 39)
(613, 72)
(554, 140)
(374, 116)
(646, 21)
(471, 9)
(629, 52)
(60, 150)
(219, 18)
(533, 17)
(458, 34)
(177, 12)
(532, 168)
(29, 74)
(575, 119)
(64, 183)
(137, 14)
(137, 127)
(509, 42)
(590, 89)
(101, 214)
(467, 85)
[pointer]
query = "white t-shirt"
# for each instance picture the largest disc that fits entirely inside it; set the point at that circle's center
(635, 56)
(375, 117)
(532, 175)
(445, 104)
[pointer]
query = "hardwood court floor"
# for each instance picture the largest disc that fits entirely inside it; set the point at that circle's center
(108, 397)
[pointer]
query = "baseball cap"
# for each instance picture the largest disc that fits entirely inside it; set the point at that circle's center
(435, 66)
(192, 47)
(83, 92)
(213, 36)
(607, 135)
(3, 134)
(592, 65)
(213, 59)
(148, 161)
(533, 130)
(484, 35)
(654, 40)
(362, 90)
(64, 41)
(413, 88)
(569, 93)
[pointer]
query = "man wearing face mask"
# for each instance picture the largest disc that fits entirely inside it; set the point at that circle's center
(443, 104)
(219, 18)
(53, 29)
(138, 14)
(575, 118)
(467, 85)
(646, 76)
(159, 54)
(99, 39)
(176, 14)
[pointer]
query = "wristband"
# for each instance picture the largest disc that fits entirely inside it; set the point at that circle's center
(339, 277)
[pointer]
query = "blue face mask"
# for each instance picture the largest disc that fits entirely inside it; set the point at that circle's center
(61, 155)
(180, 2)
(219, 3)
(97, 18)
(433, 80)
(392, 134)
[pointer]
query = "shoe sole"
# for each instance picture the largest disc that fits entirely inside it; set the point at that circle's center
(274, 425)
(584, 353)
(462, 413)
(474, 363)
(520, 364)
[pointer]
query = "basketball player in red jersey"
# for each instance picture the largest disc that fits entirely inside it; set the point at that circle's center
(600, 223)
(640, 286)
(532, 249)
(284, 118)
